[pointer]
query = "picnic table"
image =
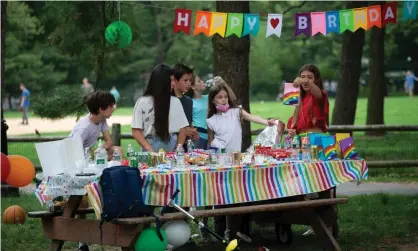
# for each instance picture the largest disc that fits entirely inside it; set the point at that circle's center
(242, 187)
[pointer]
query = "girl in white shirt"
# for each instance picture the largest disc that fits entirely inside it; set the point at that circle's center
(158, 118)
(224, 118)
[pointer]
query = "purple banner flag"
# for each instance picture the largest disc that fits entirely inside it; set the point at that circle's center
(303, 24)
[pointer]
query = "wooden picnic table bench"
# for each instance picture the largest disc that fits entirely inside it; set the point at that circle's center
(123, 232)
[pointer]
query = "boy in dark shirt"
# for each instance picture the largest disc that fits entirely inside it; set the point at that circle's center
(181, 83)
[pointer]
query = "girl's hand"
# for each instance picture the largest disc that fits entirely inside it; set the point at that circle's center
(271, 122)
(292, 132)
(298, 81)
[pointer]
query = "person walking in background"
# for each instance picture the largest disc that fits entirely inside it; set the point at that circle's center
(409, 83)
(87, 88)
(115, 93)
(24, 104)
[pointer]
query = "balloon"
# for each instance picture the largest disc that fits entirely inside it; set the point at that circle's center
(149, 240)
(5, 167)
(22, 171)
(178, 232)
(118, 34)
(232, 245)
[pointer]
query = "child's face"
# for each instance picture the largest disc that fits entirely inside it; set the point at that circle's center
(199, 85)
(107, 112)
(184, 83)
(221, 98)
(308, 80)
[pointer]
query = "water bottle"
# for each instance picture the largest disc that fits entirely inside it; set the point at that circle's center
(130, 152)
(190, 146)
(87, 156)
(287, 142)
(117, 155)
(100, 156)
(296, 155)
(306, 153)
(180, 156)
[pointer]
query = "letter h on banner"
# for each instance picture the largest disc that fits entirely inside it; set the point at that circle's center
(182, 20)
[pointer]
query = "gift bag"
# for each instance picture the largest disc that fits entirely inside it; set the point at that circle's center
(328, 144)
(347, 148)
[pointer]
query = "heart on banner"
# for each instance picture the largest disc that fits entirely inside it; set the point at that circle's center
(274, 22)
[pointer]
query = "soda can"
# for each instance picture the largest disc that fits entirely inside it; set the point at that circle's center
(236, 158)
(256, 146)
(314, 152)
(153, 159)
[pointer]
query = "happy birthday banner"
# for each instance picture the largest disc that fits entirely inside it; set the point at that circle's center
(309, 23)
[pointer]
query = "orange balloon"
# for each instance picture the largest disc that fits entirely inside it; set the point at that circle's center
(22, 171)
(14, 215)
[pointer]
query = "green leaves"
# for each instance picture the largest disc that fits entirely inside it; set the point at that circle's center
(59, 103)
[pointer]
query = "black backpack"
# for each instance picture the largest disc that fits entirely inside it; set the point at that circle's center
(122, 195)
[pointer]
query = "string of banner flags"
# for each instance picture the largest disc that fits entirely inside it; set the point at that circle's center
(309, 23)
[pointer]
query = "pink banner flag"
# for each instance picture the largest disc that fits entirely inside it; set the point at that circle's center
(318, 23)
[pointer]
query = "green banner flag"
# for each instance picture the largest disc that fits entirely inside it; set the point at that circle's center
(346, 20)
(235, 24)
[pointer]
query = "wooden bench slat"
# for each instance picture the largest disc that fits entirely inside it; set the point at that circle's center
(236, 210)
(42, 214)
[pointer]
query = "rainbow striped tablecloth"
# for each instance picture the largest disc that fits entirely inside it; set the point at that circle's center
(205, 186)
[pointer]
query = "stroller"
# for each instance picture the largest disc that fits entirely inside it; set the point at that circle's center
(229, 245)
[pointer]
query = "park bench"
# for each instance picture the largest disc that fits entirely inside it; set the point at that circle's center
(123, 232)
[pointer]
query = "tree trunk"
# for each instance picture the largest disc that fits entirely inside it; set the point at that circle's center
(231, 62)
(3, 54)
(377, 84)
(100, 59)
(348, 88)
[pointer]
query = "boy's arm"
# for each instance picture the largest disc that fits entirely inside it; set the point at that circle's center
(107, 139)
(138, 135)
(257, 119)
(181, 138)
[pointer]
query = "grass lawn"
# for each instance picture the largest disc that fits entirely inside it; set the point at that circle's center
(398, 110)
(373, 222)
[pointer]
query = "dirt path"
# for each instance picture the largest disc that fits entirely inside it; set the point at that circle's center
(47, 126)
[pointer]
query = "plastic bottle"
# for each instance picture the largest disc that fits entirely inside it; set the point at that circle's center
(296, 154)
(190, 146)
(100, 156)
(180, 156)
(130, 153)
(87, 156)
(117, 155)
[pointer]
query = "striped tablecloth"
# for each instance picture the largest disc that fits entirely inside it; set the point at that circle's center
(205, 186)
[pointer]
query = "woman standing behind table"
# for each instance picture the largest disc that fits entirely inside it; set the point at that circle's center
(157, 116)
(200, 111)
